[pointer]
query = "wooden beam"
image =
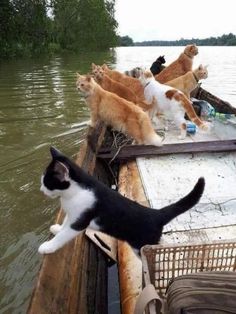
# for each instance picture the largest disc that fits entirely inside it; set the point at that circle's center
(133, 151)
(219, 104)
(74, 279)
(129, 265)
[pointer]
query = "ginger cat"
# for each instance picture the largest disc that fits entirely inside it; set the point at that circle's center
(180, 66)
(170, 102)
(116, 87)
(117, 112)
(189, 81)
(130, 82)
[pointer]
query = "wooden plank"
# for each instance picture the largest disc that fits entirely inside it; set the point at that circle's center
(166, 179)
(129, 265)
(205, 235)
(133, 151)
(219, 104)
(62, 284)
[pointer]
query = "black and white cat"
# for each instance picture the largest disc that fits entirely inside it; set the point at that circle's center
(89, 203)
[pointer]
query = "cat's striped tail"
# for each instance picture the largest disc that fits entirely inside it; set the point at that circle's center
(171, 211)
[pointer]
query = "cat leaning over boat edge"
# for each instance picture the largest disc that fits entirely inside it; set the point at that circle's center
(122, 115)
(89, 203)
(117, 88)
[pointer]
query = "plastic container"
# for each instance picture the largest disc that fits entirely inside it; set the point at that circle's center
(191, 128)
(207, 111)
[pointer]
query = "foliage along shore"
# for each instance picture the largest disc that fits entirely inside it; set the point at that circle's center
(224, 40)
(29, 28)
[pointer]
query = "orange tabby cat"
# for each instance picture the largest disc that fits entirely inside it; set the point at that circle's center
(130, 82)
(116, 87)
(188, 82)
(117, 112)
(180, 66)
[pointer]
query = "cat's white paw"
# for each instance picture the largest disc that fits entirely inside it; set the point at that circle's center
(91, 124)
(54, 229)
(46, 248)
(206, 126)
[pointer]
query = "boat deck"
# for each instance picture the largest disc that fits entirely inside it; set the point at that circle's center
(168, 178)
(160, 180)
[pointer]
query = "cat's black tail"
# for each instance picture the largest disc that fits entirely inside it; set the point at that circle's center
(171, 211)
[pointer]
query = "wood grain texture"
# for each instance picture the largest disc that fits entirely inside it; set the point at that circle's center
(133, 151)
(74, 279)
(129, 265)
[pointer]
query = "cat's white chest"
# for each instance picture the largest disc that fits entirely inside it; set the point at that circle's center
(76, 200)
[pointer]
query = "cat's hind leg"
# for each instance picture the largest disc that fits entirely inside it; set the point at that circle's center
(183, 131)
(182, 125)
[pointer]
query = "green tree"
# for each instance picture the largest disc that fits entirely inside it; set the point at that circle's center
(85, 24)
(97, 25)
(125, 41)
(6, 27)
(24, 27)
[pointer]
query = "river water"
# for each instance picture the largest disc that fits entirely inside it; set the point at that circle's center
(39, 107)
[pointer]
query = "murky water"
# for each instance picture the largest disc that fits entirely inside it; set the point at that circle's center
(39, 107)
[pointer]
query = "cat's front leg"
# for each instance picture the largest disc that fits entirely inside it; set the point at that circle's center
(54, 229)
(60, 239)
(94, 118)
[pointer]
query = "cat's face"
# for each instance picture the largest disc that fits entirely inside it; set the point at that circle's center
(84, 83)
(55, 179)
(97, 71)
(202, 72)
(191, 50)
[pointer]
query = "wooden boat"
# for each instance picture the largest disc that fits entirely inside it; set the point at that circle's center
(74, 279)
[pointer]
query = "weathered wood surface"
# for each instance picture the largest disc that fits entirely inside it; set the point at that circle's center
(166, 179)
(219, 104)
(133, 151)
(73, 279)
(129, 265)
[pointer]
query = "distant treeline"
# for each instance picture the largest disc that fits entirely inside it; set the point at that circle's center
(29, 27)
(224, 40)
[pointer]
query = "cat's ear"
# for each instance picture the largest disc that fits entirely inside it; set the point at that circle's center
(55, 152)
(104, 66)
(78, 75)
(93, 66)
(62, 172)
(88, 78)
(200, 67)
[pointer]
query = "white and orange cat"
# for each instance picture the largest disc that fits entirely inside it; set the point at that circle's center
(188, 82)
(170, 102)
(130, 82)
(116, 87)
(122, 115)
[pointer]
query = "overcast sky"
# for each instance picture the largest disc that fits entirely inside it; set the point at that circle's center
(175, 19)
